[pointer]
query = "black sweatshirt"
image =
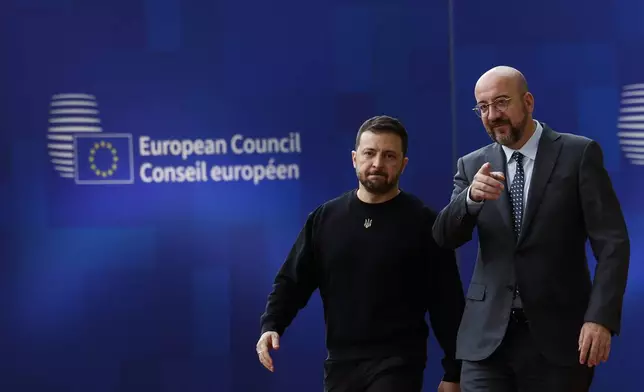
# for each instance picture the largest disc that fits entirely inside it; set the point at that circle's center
(379, 271)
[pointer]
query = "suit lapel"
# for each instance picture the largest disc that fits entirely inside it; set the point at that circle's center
(498, 161)
(547, 154)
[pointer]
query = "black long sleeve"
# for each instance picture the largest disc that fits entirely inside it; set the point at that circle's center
(370, 263)
(446, 304)
(295, 282)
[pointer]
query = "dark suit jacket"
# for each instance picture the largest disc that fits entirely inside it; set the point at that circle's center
(571, 199)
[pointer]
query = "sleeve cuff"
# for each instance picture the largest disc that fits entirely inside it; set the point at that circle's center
(452, 371)
(270, 327)
(473, 207)
(452, 377)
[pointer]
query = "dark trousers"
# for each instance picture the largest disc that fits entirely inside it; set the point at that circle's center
(518, 366)
(391, 374)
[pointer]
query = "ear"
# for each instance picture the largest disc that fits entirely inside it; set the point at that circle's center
(353, 159)
(528, 99)
(404, 164)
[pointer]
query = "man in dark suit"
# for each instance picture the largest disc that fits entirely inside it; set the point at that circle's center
(534, 321)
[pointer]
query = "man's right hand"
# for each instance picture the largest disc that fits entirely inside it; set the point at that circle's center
(268, 341)
(486, 185)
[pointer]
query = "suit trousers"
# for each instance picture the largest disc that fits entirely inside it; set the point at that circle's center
(518, 366)
(389, 374)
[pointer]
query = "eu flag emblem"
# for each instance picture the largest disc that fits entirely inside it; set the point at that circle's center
(104, 158)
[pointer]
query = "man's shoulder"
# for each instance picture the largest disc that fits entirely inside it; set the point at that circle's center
(418, 207)
(571, 139)
(340, 202)
(335, 207)
(411, 199)
(414, 201)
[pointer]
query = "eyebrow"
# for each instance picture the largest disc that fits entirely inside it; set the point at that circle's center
(373, 149)
(495, 98)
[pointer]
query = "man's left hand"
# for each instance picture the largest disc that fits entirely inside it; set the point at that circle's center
(596, 339)
(449, 387)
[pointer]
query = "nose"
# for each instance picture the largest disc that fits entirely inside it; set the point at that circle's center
(377, 161)
(492, 113)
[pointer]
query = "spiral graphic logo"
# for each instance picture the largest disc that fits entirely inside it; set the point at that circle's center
(631, 123)
(70, 114)
(78, 147)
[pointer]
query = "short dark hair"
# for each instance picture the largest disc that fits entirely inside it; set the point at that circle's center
(384, 124)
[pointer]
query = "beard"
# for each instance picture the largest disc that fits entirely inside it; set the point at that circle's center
(514, 135)
(379, 183)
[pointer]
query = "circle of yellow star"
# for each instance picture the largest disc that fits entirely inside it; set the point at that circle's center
(92, 157)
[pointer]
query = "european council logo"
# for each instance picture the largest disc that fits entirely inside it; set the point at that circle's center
(631, 123)
(78, 147)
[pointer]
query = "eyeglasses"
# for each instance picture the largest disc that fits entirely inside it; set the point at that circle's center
(500, 105)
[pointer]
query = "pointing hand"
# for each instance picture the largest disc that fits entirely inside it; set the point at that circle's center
(487, 185)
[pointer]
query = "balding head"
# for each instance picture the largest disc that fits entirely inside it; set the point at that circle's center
(503, 74)
(505, 105)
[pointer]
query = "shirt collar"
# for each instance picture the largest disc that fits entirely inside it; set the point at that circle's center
(530, 148)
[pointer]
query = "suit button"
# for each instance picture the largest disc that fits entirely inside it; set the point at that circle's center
(510, 287)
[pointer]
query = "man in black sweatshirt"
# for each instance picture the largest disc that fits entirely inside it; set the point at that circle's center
(371, 254)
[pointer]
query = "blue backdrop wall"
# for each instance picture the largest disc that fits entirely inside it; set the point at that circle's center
(116, 278)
